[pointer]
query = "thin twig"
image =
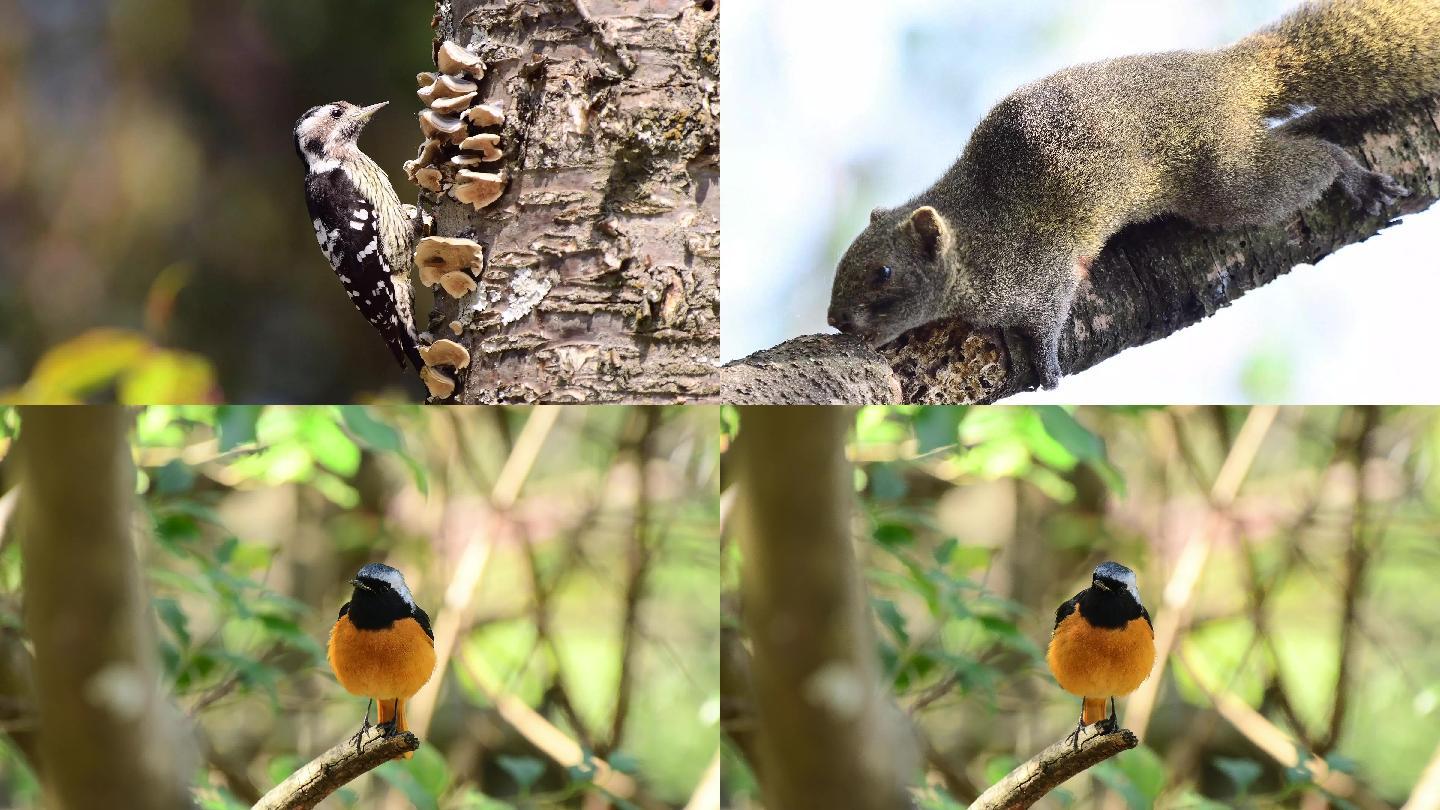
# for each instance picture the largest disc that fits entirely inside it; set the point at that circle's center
(335, 768)
(1050, 768)
(641, 554)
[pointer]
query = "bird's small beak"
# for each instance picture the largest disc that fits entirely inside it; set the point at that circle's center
(366, 112)
(357, 583)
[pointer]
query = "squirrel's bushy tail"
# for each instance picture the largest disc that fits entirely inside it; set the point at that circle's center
(1348, 57)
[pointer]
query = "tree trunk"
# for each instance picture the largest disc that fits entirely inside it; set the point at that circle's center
(827, 733)
(602, 257)
(1150, 281)
(107, 734)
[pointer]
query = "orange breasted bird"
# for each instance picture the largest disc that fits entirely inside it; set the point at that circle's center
(381, 646)
(1103, 644)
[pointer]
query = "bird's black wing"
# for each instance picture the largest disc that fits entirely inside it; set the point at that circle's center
(1145, 614)
(348, 231)
(1066, 608)
(345, 608)
(424, 620)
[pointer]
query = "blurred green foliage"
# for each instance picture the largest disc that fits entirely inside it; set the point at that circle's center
(257, 517)
(149, 184)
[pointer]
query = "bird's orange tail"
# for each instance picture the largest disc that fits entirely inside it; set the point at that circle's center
(396, 709)
(1093, 711)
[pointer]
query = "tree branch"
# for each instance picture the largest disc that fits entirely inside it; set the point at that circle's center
(335, 768)
(1050, 768)
(1152, 280)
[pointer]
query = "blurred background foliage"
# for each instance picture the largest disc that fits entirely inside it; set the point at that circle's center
(590, 533)
(1292, 551)
(149, 184)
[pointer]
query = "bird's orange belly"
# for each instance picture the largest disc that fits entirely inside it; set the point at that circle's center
(382, 664)
(1093, 662)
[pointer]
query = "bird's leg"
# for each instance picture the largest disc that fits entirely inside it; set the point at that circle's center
(1074, 737)
(1110, 724)
(364, 726)
(390, 728)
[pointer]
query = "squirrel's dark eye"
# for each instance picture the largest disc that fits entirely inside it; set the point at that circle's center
(881, 275)
(335, 112)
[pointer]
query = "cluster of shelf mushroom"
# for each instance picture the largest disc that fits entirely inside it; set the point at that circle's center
(456, 147)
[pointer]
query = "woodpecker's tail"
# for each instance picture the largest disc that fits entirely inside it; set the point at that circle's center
(1349, 57)
(395, 709)
(1093, 711)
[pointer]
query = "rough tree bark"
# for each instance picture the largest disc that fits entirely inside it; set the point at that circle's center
(107, 733)
(602, 258)
(1150, 281)
(826, 732)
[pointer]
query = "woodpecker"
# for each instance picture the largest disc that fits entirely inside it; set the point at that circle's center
(1103, 644)
(363, 229)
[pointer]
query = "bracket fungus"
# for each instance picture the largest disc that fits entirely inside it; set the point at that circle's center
(478, 188)
(453, 59)
(450, 106)
(458, 285)
(445, 352)
(485, 115)
(438, 383)
(445, 254)
(442, 127)
(488, 145)
(426, 177)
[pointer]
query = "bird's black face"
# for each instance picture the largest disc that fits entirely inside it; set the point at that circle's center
(380, 597)
(329, 131)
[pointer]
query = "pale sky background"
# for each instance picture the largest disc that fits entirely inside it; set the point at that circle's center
(836, 106)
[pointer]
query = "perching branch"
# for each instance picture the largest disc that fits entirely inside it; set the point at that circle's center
(1050, 768)
(1152, 280)
(333, 769)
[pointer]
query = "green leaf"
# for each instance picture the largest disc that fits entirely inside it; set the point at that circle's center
(173, 478)
(624, 762)
(1073, 436)
(893, 535)
(399, 777)
(429, 769)
(1242, 773)
(1145, 771)
(174, 618)
(937, 427)
(526, 771)
(945, 551)
(892, 618)
(236, 425)
(371, 432)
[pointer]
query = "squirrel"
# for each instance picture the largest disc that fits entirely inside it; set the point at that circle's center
(1005, 237)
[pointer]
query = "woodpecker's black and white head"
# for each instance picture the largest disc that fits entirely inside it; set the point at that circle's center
(1112, 577)
(380, 598)
(326, 136)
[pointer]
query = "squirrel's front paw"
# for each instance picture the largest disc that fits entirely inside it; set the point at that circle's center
(1049, 375)
(1372, 192)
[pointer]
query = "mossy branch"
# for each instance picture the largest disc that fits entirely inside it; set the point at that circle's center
(333, 769)
(1050, 768)
(1151, 280)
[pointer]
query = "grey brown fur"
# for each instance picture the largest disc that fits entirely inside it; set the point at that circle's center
(1005, 237)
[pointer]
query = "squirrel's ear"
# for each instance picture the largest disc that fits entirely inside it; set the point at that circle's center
(929, 227)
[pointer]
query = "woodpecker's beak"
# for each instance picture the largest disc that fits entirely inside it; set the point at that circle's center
(365, 112)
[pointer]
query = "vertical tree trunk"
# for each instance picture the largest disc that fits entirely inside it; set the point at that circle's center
(107, 736)
(602, 258)
(828, 735)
